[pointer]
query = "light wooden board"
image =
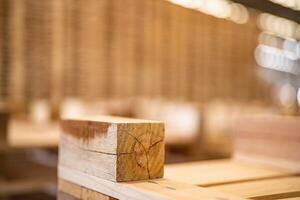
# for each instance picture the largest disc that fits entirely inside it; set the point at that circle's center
(113, 148)
(153, 189)
(24, 134)
(215, 172)
(277, 188)
(68, 190)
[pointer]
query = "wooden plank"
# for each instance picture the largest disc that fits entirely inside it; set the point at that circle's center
(214, 172)
(153, 189)
(68, 190)
(112, 148)
(279, 188)
(24, 134)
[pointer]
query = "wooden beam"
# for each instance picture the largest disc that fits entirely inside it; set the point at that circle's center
(112, 148)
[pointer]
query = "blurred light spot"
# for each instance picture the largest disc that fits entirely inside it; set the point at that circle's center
(40, 111)
(277, 59)
(72, 107)
(239, 13)
(218, 8)
(287, 95)
(298, 96)
(293, 4)
(278, 26)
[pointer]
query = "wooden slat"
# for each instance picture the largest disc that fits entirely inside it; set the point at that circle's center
(68, 190)
(279, 188)
(154, 189)
(22, 134)
(218, 172)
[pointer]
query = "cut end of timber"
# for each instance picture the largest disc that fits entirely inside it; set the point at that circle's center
(113, 148)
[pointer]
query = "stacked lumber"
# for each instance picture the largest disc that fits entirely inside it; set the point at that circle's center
(142, 48)
(237, 178)
(246, 180)
(84, 174)
(109, 157)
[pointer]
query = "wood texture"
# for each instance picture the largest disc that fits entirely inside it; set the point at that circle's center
(115, 149)
(149, 48)
(68, 190)
(208, 173)
(158, 189)
(278, 188)
(268, 140)
(235, 178)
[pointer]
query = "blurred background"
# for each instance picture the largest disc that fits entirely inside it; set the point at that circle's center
(198, 65)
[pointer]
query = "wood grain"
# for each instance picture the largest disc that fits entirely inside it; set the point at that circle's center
(278, 188)
(115, 149)
(206, 173)
(157, 189)
(68, 190)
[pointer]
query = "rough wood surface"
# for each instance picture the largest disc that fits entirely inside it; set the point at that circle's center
(216, 172)
(158, 189)
(68, 191)
(236, 178)
(277, 188)
(113, 148)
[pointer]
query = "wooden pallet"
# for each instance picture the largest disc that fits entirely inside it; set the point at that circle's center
(221, 179)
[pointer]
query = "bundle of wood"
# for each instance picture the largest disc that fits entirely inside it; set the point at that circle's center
(99, 155)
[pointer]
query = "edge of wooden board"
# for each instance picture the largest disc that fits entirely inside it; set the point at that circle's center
(291, 166)
(157, 189)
